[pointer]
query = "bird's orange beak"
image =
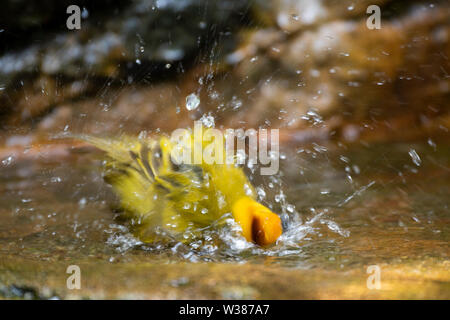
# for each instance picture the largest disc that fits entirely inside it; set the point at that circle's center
(259, 224)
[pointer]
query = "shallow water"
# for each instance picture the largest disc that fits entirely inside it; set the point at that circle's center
(344, 208)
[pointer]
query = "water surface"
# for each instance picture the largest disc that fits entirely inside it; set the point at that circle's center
(345, 207)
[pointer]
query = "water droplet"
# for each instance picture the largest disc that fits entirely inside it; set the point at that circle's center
(236, 103)
(432, 144)
(261, 193)
(214, 95)
(82, 203)
(290, 208)
(415, 157)
(55, 179)
(248, 190)
(7, 161)
(192, 101)
(280, 197)
(85, 13)
(207, 120)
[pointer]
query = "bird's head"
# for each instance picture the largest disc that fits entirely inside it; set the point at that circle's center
(259, 224)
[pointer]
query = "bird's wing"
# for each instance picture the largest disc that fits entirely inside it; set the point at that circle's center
(130, 170)
(127, 154)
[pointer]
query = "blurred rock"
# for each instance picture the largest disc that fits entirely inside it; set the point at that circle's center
(130, 43)
(34, 97)
(342, 69)
(326, 74)
(294, 15)
(144, 31)
(57, 120)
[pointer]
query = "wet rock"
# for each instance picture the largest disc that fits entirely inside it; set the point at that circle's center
(339, 69)
(26, 293)
(13, 291)
(57, 120)
(132, 43)
(294, 15)
(144, 31)
(32, 98)
(330, 76)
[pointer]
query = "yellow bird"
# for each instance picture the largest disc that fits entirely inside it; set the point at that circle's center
(156, 192)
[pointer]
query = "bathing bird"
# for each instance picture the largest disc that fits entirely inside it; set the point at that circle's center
(179, 197)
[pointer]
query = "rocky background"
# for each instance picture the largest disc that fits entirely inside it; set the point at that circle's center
(312, 68)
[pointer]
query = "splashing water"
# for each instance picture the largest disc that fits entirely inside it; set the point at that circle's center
(192, 102)
(223, 241)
